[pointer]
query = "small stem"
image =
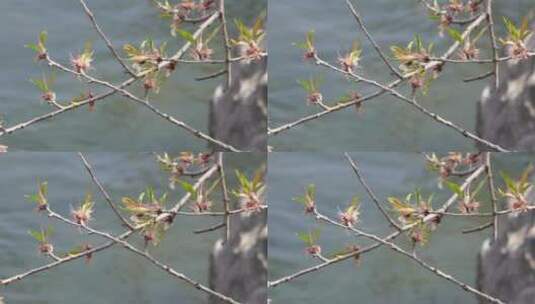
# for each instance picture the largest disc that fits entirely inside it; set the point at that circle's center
(210, 229)
(478, 228)
(224, 192)
(211, 76)
(495, 55)
(91, 16)
(147, 104)
(411, 101)
(103, 191)
(413, 257)
(147, 256)
(359, 20)
(67, 259)
(479, 77)
(445, 206)
(492, 190)
(370, 192)
(228, 55)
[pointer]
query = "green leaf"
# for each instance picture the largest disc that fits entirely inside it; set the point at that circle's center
(243, 180)
(525, 175)
(479, 187)
(188, 188)
(33, 46)
(456, 35)
(311, 191)
(45, 83)
(187, 36)
(308, 44)
(40, 84)
(131, 50)
(87, 204)
(310, 85)
(37, 235)
(134, 206)
(42, 235)
(212, 34)
(310, 238)
(40, 197)
(259, 23)
(511, 27)
(434, 17)
(43, 37)
(508, 181)
(150, 195)
(88, 48)
(403, 208)
(455, 188)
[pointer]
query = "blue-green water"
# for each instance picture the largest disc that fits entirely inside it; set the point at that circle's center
(382, 276)
(386, 124)
(115, 275)
(116, 124)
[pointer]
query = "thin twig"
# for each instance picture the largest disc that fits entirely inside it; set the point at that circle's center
(495, 55)
(486, 214)
(370, 192)
(224, 192)
(479, 77)
(211, 76)
(412, 102)
(147, 104)
(228, 55)
(431, 217)
(478, 228)
(177, 56)
(493, 198)
(64, 260)
(147, 256)
(210, 229)
(413, 257)
(222, 213)
(433, 64)
(91, 16)
(72, 257)
(359, 20)
(104, 192)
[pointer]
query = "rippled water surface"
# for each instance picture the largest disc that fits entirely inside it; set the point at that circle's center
(114, 275)
(385, 123)
(117, 124)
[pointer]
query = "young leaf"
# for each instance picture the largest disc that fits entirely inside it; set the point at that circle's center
(308, 44)
(40, 47)
(43, 37)
(42, 236)
(403, 208)
(41, 196)
(187, 36)
(310, 238)
(188, 188)
(133, 206)
(456, 35)
(455, 188)
(37, 235)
